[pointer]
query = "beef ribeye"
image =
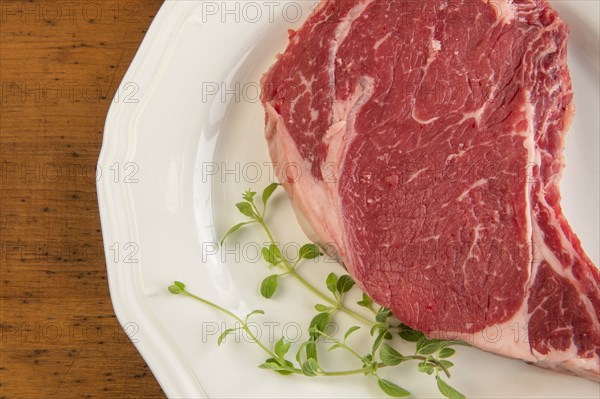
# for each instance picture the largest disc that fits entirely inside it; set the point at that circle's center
(422, 141)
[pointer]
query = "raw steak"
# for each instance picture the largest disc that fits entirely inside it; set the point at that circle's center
(422, 142)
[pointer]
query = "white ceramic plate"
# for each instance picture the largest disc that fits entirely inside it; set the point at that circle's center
(174, 160)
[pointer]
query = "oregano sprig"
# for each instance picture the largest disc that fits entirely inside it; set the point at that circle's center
(431, 355)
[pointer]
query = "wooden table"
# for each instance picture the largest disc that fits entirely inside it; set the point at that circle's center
(61, 63)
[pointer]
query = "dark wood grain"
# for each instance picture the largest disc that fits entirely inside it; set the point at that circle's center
(61, 63)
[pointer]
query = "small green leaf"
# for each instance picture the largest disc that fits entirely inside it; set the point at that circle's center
(332, 283)
(268, 191)
(345, 284)
(233, 230)
(270, 364)
(283, 372)
(378, 340)
(311, 368)
(223, 335)
(175, 290)
(311, 350)
(390, 356)
(273, 364)
(280, 367)
(281, 348)
(275, 251)
(249, 196)
(335, 346)
(374, 329)
(447, 390)
(383, 314)
(446, 352)
(268, 256)
(245, 209)
(299, 352)
(366, 301)
(258, 311)
(350, 331)
(392, 389)
(322, 308)
(179, 284)
(429, 346)
(320, 322)
(425, 367)
(411, 335)
(309, 251)
(269, 286)
(289, 366)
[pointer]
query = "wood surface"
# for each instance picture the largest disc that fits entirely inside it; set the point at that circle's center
(61, 63)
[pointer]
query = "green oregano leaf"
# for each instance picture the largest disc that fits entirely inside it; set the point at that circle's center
(334, 346)
(429, 346)
(420, 343)
(274, 365)
(309, 251)
(233, 230)
(411, 335)
(366, 302)
(311, 368)
(322, 308)
(374, 329)
(332, 283)
(311, 350)
(278, 366)
(289, 366)
(392, 389)
(390, 356)
(268, 191)
(344, 284)
(299, 352)
(274, 249)
(378, 340)
(175, 290)
(245, 209)
(383, 314)
(270, 364)
(320, 322)
(446, 352)
(269, 286)
(350, 331)
(447, 390)
(258, 311)
(281, 348)
(223, 335)
(268, 256)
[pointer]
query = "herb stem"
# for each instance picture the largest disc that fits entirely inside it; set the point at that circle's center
(444, 368)
(350, 372)
(342, 344)
(266, 229)
(232, 315)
